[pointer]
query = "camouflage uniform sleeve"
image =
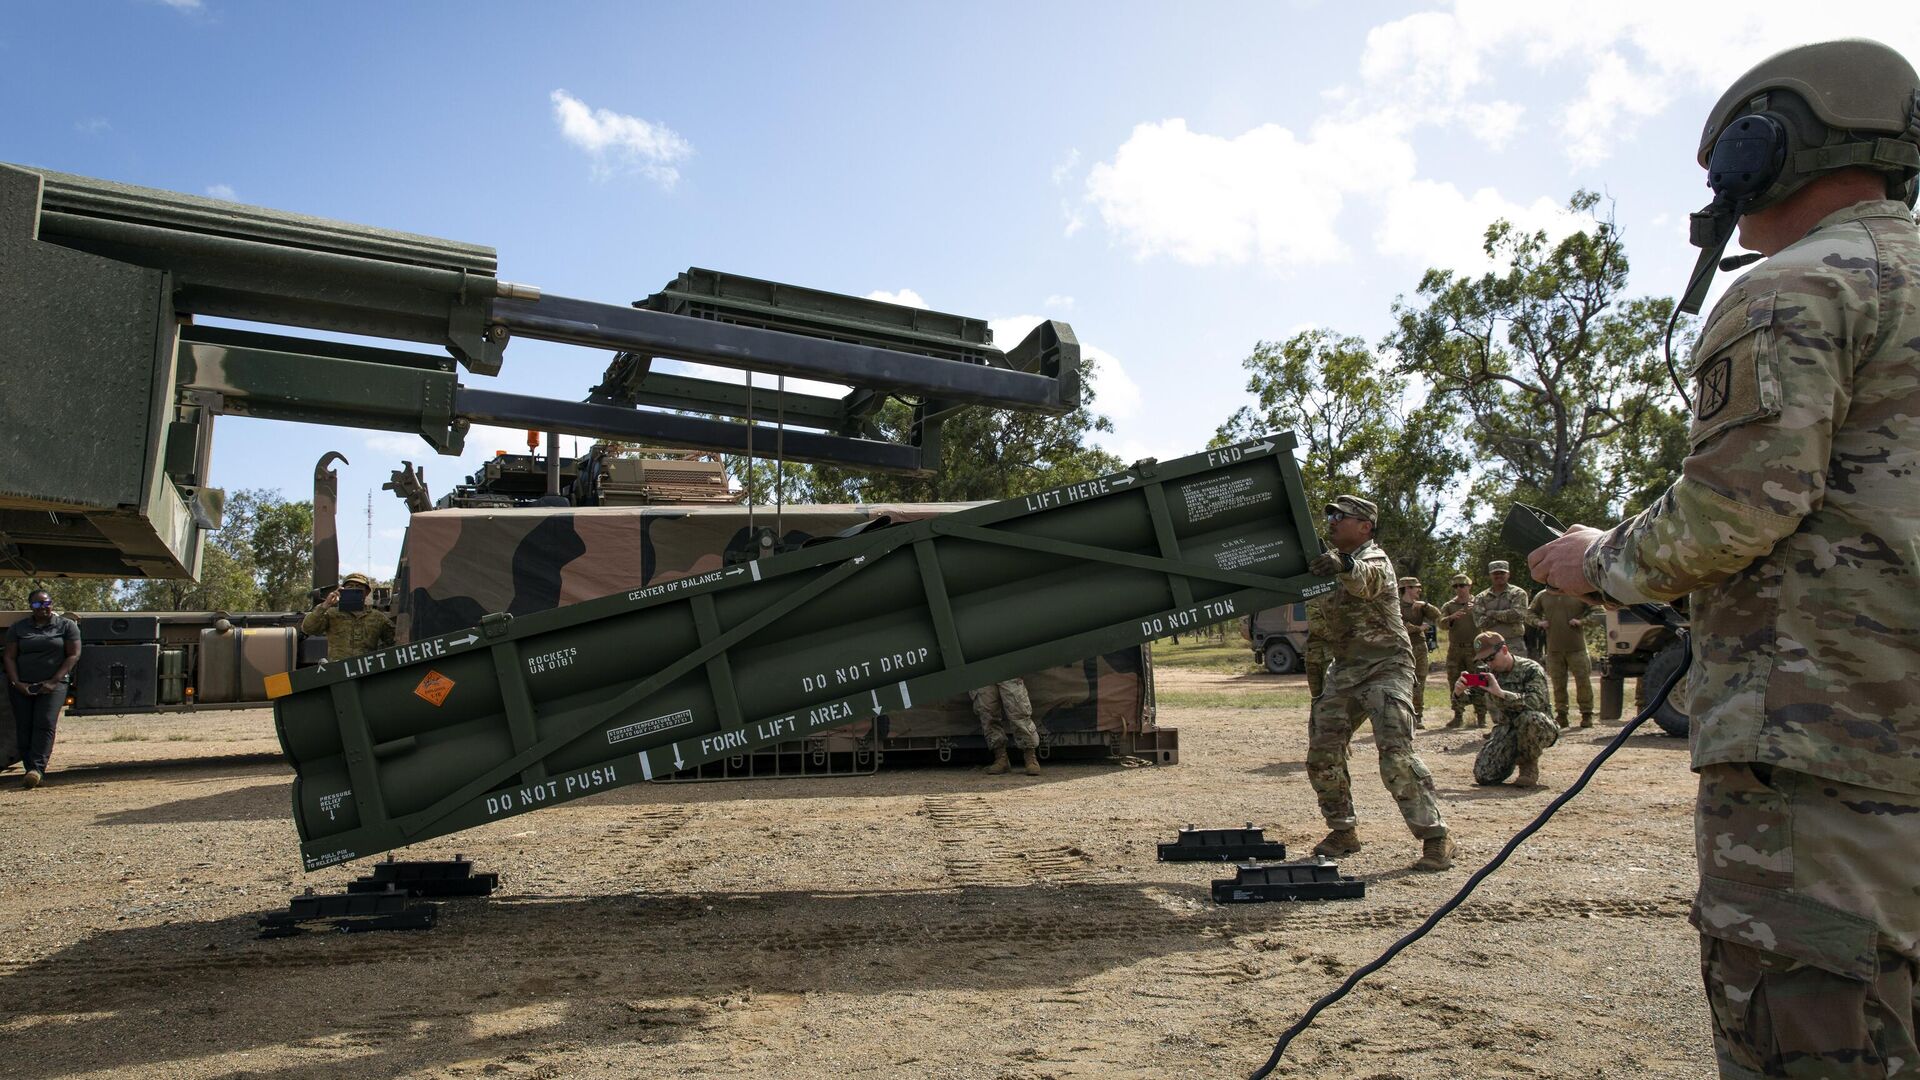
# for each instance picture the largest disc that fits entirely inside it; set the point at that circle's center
(385, 637)
(1773, 378)
(1537, 609)
(315, 623)
(1529, 692)
(1371, 576)
(1432, 613)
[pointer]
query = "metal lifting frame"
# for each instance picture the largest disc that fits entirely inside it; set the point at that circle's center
(271, 267)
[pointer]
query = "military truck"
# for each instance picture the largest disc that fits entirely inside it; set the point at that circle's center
(1279, 638)
(1649, 652)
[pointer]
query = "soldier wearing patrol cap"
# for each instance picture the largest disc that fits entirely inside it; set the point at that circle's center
(1371, 676)
(351, 627)
(1794, 528)
(1515, 688)
(1502, 607)
(1457, 616)
(1418, 615)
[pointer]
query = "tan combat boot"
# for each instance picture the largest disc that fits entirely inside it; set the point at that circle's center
(1338, 842)
(1529, 775)
(1033, 761)
(1561, 719)
(31, 779)
(1456, 721)
(1586, 719)
(1000, 763)
(1436, 853)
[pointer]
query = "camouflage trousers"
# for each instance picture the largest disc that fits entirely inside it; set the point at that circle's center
(1809, 926)
(1518, 740)
(1459, 661)
(1577, 663)
(1009, 700)
(1337, 713)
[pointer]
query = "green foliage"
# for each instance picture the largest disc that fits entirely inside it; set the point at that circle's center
(1344, 403)
(281, 544)
(1552, 364)
(69, 594)
(1545, 385)
(260, 559)
(986, 454)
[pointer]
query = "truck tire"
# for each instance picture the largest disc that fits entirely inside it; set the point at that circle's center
(1281, 659)
(1672, 715)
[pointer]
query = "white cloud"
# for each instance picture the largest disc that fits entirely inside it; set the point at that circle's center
(1076, 219)
(1433, 224)
(1058, 302)
(1064, 171)
(615, 141)
(92, 125)
(1493, 123)
(1115, 393)
(906, 297)
(222, 191)
(398, 445)
(182, 5)
(1631, 58)
(1265, 195)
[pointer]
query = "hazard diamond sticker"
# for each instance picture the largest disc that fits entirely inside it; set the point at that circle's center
(434, 688)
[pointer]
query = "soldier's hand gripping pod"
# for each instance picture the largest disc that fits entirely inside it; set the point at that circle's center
(1529, 527)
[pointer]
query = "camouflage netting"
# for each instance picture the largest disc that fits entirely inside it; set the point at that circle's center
(458, 565)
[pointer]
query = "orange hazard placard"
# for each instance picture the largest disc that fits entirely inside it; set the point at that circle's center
(434, 687)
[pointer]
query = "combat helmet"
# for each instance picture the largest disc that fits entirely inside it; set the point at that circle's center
(1812, 109)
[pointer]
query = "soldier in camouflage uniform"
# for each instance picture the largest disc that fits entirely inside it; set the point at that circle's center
(1516, 690)
(1564, 619)
(1502, 607)
(349, 633)
(1316, 657)
(1372, 675)
(1795, 529)
(1004, 705)
(1417, 614)
(1456, 615)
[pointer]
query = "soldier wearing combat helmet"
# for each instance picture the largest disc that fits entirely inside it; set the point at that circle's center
(350, 626)
(1795, 529)
(1371, 676)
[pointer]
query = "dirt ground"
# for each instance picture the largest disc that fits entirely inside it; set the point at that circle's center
(922, 922)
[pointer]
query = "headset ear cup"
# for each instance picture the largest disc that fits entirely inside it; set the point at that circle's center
(1747, 160)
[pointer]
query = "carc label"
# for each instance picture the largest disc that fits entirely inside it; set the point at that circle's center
(649, 727)
(433, 688)
(1238, 553)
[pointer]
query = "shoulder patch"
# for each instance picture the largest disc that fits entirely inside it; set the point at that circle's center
(1733, 378)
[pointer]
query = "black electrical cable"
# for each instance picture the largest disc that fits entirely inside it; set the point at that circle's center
(1353, 980)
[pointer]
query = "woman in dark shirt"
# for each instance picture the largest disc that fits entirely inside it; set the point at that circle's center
(40, 653)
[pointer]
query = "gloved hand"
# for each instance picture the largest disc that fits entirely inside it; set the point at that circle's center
(1329, 563)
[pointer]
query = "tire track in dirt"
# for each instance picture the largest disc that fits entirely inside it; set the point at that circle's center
(979, 849)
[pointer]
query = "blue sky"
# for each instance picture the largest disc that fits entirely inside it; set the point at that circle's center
(1176, 181)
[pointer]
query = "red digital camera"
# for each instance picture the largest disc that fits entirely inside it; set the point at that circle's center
(1474, 680)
